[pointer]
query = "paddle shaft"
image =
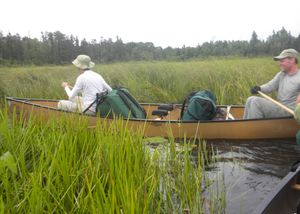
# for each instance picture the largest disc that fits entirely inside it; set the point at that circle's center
(277, 103)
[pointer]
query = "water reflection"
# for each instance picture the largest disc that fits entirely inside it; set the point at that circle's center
(251, 169)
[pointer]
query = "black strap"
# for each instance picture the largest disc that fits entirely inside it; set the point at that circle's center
(127, 103)
(183, 107)
(90, 106)
(99, 99)
(123, 94)
(185, 102)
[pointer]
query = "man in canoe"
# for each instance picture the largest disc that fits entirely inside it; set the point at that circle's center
(88, 83)
(287, 85)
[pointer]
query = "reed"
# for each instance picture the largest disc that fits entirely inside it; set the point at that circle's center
(230, 79)
(61, 167)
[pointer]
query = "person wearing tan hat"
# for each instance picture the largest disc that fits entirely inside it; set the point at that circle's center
(88, 83)
(287, 85)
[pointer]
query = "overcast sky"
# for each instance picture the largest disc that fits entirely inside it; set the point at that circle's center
(164, 22)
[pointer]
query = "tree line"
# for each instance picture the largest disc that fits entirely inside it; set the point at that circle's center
(58, 48)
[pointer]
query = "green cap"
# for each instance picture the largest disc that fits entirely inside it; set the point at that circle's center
(287, 53)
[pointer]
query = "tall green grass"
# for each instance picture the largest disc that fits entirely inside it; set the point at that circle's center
(60, 167)
(230, 79)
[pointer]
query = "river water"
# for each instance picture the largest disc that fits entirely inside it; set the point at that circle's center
(251, 169)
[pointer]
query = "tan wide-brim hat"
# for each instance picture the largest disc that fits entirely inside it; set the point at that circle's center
(287, 53)
(83, 62)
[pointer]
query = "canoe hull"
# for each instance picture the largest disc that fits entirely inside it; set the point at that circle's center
(275, 128)
(284, 198)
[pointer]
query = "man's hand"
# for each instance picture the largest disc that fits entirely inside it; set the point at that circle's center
(64, 84)
(255, 90)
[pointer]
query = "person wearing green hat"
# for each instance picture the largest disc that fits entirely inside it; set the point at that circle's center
(287, 85)
(88, 83)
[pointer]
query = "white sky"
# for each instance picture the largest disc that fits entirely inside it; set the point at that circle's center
(164, 22)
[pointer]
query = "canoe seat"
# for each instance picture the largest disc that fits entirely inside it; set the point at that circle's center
(168, 107)
(160, 113)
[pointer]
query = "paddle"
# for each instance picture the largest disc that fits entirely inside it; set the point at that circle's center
(277, 103)
(286, 109)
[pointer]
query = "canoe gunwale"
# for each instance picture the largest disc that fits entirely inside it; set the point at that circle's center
(27, 101)
(239, 129)
(286, 184)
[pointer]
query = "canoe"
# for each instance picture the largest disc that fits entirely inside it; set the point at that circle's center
(171, 125)
(285, 197)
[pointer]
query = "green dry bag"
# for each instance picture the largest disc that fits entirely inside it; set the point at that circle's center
(119, 103)
(199, 105)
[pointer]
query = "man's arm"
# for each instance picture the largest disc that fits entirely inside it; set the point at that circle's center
(272, 85)
(75, 90)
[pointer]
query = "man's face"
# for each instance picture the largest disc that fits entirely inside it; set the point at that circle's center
(286, 64)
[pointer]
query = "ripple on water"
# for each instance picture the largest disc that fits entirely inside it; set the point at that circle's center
(251, 169)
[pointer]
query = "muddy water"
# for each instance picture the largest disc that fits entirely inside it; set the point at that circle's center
(251, 169)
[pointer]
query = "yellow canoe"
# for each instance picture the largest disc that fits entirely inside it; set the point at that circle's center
(171, 126)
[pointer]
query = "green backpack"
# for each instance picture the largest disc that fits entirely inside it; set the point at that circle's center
(119, 103)
(199, 105)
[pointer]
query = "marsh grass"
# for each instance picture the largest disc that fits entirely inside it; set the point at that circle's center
(230, 79)
(60, 167)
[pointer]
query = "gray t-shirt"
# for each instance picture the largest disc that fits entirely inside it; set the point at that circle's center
(287, 86)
